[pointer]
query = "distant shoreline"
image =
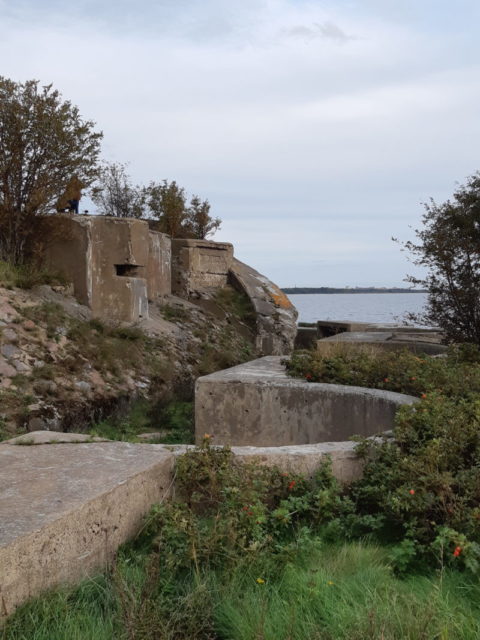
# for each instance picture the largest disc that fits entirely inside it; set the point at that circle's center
(298, 290)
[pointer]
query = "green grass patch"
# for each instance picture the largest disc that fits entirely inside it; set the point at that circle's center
(331, 592)
(237, 303)
(174, 313)
(28, 276)
(174, 420)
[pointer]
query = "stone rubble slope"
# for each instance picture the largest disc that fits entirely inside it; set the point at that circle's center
(61, 370)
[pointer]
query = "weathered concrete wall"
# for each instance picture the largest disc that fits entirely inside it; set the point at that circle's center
(199, 265)
(276, 315)
(115, 264)
(307, 458)
(258, 404)
(119, 258)
(159, 272)
(65, 509)
(69, 251)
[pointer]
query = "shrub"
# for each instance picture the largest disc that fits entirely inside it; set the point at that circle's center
(422, 490)
(227, 509)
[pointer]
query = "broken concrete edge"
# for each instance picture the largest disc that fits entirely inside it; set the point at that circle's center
(52, 437)
(276, 315)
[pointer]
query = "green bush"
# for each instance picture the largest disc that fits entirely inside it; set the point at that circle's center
(227, 509)
(456, 375)
(420, 491)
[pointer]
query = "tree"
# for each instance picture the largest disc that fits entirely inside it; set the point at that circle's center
(168, 204)
(448, 246)
(114, 194)
(199, 222)
(44, 142)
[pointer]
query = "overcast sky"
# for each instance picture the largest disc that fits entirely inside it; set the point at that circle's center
(315, 128)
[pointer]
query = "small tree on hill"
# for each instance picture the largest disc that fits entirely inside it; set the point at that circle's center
(448, 246)
(43, 143)
(116, 196)
(168, 204)
(199, 221)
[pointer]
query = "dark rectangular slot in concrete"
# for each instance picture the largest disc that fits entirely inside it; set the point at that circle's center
(128, 270)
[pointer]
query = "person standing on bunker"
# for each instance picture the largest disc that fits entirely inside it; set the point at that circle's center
(70, 200)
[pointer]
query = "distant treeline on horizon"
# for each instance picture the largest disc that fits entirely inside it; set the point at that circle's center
(293, 290)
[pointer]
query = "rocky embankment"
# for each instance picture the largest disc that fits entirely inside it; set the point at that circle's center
(62, 370)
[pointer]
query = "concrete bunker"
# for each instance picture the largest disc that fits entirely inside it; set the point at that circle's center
(117, 265)
(257, 404)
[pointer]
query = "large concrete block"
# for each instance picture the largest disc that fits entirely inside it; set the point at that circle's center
(257, 404)
(119, 258)
(65, 509)
(199, 265)
(107, 260)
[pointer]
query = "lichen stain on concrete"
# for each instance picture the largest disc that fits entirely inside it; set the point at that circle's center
(279, 298)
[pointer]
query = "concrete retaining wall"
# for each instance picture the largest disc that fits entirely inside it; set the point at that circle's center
(258, 404)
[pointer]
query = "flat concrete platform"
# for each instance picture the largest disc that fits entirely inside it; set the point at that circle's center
(65, 509)
(427, 342)
(258, 404)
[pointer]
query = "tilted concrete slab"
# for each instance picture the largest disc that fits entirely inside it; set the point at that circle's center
(65, 509)
(257, 404)
(394, 340)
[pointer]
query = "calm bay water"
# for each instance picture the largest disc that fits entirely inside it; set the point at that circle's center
(361, 307)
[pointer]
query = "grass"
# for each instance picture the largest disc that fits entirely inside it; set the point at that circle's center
(174, 420)
(28, 276)
(237, 303)
(340, 592)
(175, 314)
(348, 593)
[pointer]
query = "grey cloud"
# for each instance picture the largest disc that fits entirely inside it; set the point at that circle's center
(326, 30)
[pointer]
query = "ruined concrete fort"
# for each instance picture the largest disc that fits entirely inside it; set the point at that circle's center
(119, 266)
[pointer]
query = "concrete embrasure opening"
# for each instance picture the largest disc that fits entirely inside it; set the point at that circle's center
(128, 270)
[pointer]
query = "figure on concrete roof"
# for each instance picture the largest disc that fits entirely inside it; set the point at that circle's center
(70, 200)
